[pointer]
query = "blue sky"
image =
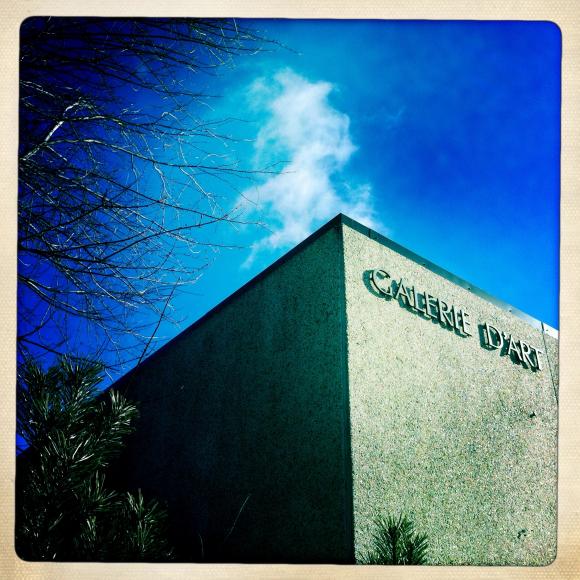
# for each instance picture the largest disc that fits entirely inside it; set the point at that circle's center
(443, 136)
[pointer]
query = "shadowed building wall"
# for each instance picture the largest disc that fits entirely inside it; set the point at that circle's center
(248, 409)
(320, 396)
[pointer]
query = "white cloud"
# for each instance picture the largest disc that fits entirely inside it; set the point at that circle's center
(314, 139)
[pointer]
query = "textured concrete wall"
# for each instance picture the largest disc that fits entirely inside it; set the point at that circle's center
(459, 438)
(315, 403)
(250, 403)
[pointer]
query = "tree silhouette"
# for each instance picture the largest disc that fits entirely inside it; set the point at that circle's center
(63, 509)
(121, 171)
(395, 542)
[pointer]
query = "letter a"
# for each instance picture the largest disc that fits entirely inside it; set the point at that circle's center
(402, 291)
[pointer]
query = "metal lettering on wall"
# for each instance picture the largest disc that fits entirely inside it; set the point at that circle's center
(457, 319)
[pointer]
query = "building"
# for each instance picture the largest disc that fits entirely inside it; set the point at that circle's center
(352, 379)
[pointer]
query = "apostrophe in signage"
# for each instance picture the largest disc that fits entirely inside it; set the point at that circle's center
(458, 319)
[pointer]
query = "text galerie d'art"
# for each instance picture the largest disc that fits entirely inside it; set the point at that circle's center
(455, 318)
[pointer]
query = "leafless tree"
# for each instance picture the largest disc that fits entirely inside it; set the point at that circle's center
(120, 174)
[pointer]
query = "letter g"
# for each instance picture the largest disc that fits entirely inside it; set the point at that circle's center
(380, 281)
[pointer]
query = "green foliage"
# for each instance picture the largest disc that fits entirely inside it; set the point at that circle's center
(64, 511)
(397, 543)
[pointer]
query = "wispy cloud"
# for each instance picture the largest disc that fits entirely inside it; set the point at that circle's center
(314, 139)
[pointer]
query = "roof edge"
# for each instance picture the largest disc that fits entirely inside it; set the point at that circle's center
(335, 221)
(373, 235)
(339, 220)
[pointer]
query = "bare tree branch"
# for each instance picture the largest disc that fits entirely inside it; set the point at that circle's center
(119, 173)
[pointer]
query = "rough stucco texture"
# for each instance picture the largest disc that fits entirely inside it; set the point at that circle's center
(459, 438)
(243, 416)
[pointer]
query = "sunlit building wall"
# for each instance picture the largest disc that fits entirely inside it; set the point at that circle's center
(352, 379)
